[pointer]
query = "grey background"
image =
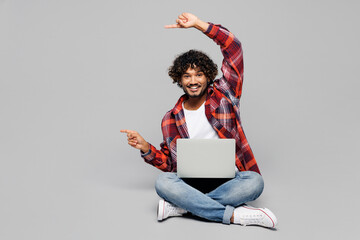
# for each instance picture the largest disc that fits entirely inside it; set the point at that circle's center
(73, 73)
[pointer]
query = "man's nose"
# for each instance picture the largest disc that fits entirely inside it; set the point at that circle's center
(193, 80)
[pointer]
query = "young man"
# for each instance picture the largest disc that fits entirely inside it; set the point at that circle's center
(208, 109)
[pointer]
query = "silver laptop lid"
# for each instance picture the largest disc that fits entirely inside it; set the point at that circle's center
(206, 158)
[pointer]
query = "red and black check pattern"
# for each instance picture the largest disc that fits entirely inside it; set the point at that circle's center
(221, 109)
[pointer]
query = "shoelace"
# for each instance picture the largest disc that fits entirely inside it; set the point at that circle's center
(174, 209)
(171, 208)
(252, 218)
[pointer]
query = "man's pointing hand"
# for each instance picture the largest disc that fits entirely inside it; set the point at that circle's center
(185, 20)
(188, 20)
(136, 140)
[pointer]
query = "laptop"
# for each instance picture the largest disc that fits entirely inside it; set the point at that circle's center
(206, 158)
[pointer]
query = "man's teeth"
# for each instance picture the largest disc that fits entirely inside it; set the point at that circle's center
(193, 87)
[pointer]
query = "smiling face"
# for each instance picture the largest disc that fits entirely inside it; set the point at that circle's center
(194, 83)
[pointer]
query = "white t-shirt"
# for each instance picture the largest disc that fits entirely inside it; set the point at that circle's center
(198, 125)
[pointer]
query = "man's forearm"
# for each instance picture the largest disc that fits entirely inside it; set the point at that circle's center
(201, 25)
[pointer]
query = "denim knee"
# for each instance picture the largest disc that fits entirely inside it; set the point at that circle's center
(164, 183)
(257, 182)
(251, 188)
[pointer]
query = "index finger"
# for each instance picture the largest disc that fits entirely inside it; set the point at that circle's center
(173, 26)
(126, 131)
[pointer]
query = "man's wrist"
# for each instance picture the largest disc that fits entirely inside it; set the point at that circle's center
(201, 25)
(146, 148)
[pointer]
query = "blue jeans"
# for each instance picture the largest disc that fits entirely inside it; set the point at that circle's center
(217, 205)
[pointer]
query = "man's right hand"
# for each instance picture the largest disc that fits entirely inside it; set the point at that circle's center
(136, 140)
(188, 20)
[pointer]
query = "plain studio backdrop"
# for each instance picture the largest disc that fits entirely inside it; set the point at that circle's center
(73, 73)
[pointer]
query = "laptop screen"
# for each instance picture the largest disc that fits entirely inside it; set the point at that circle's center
(206, 158)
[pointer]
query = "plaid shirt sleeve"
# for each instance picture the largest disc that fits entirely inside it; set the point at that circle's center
(233, 65)
(158, 158)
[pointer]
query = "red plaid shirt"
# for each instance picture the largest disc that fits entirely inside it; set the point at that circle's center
(221, 109)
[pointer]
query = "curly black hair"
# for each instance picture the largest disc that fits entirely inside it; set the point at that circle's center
(193, 59)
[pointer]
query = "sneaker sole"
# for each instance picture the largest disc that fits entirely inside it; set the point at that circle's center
(160, 210)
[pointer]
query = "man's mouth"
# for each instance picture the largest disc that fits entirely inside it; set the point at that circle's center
(194, 88)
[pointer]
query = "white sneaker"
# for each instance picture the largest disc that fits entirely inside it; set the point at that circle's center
(166, 209)
(247, 215)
